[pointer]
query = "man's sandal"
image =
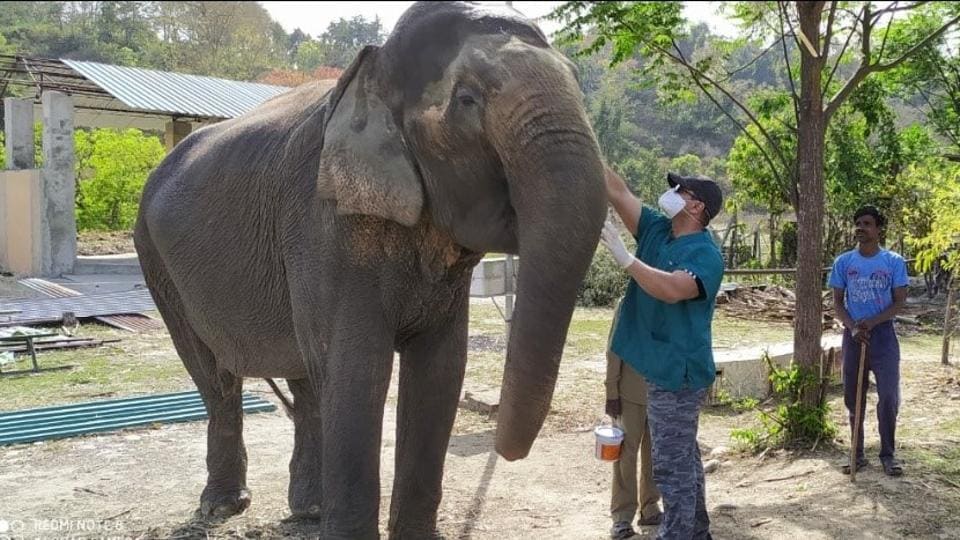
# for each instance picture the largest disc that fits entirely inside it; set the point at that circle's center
(892, 467)
(861, 463)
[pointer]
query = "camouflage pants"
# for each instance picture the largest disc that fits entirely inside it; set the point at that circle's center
(677, 469)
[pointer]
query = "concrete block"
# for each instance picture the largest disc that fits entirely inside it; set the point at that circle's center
(59, 184)
(488, 277)
(484, 400)
(743, 371)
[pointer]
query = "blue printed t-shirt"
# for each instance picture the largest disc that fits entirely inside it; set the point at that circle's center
(670, 344)
(868, 281)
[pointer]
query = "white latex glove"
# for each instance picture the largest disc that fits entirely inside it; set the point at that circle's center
(610, 238)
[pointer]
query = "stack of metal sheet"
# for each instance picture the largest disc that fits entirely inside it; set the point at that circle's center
(46, 423)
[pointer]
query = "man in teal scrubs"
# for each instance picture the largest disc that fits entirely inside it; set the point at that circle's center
(663, 331)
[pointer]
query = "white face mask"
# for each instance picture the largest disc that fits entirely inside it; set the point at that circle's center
(671, 202)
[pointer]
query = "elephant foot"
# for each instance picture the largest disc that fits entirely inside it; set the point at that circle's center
(418, 533)
(223, 504)
(305, 510)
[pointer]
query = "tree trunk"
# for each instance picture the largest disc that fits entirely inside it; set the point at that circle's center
(773, 241)
(810, 143)
(947, 324)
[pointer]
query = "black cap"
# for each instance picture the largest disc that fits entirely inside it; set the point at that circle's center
(704, 189)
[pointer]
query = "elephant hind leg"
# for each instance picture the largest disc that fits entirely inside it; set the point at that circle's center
(306, 480)
(226, 492)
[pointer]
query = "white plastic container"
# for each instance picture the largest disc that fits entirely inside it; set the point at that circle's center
(609, 441)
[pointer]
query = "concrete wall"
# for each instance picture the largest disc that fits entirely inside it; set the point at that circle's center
(59, 185)
(38, 226)
(744, 371)
(18, 131)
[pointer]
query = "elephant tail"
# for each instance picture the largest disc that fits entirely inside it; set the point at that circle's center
(287, 406)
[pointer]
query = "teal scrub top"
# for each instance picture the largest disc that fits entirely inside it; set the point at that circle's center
(670, 344)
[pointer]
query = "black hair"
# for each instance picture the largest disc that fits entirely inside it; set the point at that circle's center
(871, 211)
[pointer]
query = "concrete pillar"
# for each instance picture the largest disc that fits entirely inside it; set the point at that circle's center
(59, 185)
(176, 131)
(18, 129)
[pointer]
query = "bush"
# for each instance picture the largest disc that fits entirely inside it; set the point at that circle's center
(605, 282)
(112, 168)
(791, 421)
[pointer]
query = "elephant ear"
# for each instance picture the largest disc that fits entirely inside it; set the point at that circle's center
(365, 164)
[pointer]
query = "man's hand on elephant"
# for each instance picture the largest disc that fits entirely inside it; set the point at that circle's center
(610, 238)
(613, 408)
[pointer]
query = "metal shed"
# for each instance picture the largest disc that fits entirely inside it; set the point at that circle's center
(106, 95)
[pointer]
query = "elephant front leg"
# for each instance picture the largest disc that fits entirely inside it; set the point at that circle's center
(431, 376)
(352, 395)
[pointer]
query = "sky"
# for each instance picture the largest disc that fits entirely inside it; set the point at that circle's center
(313, 17)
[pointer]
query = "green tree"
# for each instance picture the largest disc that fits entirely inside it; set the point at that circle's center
(310, 55)
(931, 81)
(814, 32)
(344, 38)
(112, 168)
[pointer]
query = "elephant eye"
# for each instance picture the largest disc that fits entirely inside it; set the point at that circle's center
(466, 98)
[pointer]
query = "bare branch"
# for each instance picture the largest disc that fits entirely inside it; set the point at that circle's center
(883, 42)
(894, 8)
(728, 75)
(866, 67)
(743, 129)
(829, 33)
(923, 43)
(862, 71)
(682, 60)
(836, 65)
(794, 96)
(793, 31)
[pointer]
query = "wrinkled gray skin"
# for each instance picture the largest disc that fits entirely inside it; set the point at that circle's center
(314, 236)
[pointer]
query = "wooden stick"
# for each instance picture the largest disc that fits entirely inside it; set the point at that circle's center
(858, 413)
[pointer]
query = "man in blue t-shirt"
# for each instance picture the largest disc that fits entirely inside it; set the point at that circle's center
(663, 333)
(869, 289)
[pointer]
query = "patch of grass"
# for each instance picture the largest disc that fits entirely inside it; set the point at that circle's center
(139, 363)
(731, 332)
(942, 460)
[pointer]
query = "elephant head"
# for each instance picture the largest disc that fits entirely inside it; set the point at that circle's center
(467, 118)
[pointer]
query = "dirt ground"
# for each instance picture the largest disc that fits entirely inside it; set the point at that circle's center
(145, 483)
(104, 242)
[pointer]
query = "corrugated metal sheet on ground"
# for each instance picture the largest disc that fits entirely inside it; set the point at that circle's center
(46, 423)
(52, 309)
(130, 323)
(176, 93)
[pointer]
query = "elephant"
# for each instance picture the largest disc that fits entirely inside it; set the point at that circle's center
(315, 236)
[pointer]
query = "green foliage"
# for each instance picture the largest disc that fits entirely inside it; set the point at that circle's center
(605, 281)
(942, 239)
(339, 44)
(650, 115)
(791, 421)
(112, 167)
(236, 40)
(744, 404)
(931, 79)
(687, 164)
(310, 55)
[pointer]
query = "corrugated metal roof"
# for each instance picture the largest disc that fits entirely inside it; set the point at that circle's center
(176, 93)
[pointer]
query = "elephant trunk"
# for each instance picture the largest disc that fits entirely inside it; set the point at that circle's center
(555, 176)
